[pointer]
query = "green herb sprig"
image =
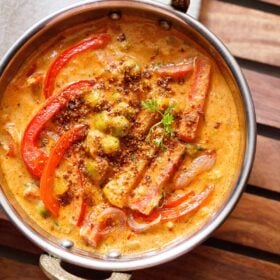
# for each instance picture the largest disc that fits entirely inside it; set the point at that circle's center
(166, 121)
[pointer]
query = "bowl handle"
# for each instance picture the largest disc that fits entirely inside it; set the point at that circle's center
(180, 5)
(51, 266)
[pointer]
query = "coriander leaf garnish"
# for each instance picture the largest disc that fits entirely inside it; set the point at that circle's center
(166, 120)
(158, 141)
(151, 105)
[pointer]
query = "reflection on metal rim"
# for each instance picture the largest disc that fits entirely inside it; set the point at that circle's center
(185, 246)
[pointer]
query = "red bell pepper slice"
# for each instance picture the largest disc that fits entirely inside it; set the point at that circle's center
(62, 59)
(176, 71)
(194, 108)
(46, 183)
(34, 157)
(177, 199)
(190, 203)
(186, 207)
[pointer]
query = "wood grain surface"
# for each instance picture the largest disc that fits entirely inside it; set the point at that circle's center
(266, 168)
(206, 263)
(275, 2)
(248, 33)
(203, 263)
(11, 237)
(255, 223)
(266, 95)
(13, 270)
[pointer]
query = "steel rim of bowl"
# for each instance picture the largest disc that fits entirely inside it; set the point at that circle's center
(201, 235)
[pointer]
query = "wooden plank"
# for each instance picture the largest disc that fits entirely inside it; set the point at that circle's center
(248, 33)
(248, 222)
(206, 263)
(254, 223)
(266, 95)
(275, 2)
(16, 270)
(266, 168)
(20, 268)
(2, 214)
(11, 237)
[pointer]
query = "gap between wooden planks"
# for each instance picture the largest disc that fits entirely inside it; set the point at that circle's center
(14, 270)
(217, 264)
(266, 167)
(265, 91)
(264, 88)
(248, 33)
(275, 2)
(254, 223)
(207, 263)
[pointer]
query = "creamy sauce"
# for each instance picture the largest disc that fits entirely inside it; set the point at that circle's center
(147, 44)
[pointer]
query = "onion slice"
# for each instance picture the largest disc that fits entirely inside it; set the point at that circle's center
(140, 227)
(109, 220)
(113, 215)
(188, 173)
(188, 206)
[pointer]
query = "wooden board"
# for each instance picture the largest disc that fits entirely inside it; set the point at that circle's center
(11, 269)
(266, 95)
(11, 237)
(2, 214)
(206, 263)
(254, 223)
(275, 2)
(201, 264)
(266, 168)
(249, 33)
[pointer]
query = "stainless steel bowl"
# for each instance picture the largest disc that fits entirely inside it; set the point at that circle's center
(88, 11)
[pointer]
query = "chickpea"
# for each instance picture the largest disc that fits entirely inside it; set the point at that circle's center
(116, 97)
(96, 168)
(92, 142)
(164, 103)
(94, 98)
(132, 70)
(92, 169)
(124, 109)
(110, 144)
(101, 121)
(119, 126)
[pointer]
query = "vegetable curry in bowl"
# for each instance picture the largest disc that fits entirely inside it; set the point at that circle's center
(120, 135)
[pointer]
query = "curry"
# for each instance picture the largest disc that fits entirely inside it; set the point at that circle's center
(120, 135)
